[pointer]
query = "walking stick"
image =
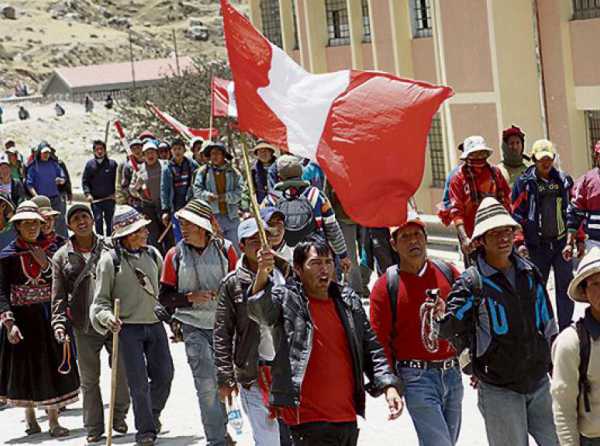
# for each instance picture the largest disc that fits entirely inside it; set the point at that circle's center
(113, 378)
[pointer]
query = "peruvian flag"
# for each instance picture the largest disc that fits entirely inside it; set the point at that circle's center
(367, 130)
(223, 98)
(180, 128)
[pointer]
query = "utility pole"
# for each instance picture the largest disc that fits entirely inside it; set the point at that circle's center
(131, 58)
(176, 54)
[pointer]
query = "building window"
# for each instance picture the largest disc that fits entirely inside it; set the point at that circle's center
(271, 21)
(593, 129)
(421, 18)
(365, 21)
(435, 142)
(586, 9)
(338, 26)
(295, 23)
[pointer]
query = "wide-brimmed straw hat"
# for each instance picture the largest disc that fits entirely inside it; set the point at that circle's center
(127, 221)
(197, 212)
(27, 210)
(491, 215)
(589, 265)
(45, 206)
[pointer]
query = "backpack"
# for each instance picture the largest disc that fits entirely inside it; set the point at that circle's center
(115, 255)
(584, 362)
(299, 214)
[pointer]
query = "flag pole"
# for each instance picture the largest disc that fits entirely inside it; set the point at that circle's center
(113, 378)
(253, 202)
(210, 119)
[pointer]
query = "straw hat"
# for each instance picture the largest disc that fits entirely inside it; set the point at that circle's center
(589, 265)
(197, 212)
(45, 206)
(27, 210)
(264, 145)
(491, 215)
(126, 221)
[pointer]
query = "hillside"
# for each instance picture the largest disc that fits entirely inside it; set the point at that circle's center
(49, 34)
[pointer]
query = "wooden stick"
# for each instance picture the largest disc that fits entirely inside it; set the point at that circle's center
(253, 203)
(113, 379)
(165, 232)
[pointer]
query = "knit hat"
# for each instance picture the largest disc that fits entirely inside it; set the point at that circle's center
(44, 205)
(78, 207)
(543, 148)
(513, 130)
(126, 221)
(27, 210)
(288, 167)
(475, 144)
(197, 212)
(589, 265)
(491, 215)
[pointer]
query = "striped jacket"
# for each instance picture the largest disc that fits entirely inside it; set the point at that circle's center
(585, 205)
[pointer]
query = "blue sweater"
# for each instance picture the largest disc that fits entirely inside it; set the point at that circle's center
(42, 175)
(98, 179)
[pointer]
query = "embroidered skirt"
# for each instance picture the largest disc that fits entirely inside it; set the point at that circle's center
(29, 375)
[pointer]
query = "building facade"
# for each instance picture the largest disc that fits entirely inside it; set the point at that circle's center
(532, 63)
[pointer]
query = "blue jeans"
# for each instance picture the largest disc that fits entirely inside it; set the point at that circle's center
(549, 255)
(229, 228)
(434, 402)
(149, 369)
(59, 203)
(265, 430)
(510, 416)
(590, 441)
(201, 358)
(103, 215)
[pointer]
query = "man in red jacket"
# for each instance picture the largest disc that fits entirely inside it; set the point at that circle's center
(401, 316)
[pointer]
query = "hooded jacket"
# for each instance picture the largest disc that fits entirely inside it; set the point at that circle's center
(285, 310)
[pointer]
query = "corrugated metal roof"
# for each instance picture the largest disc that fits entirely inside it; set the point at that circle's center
(120, 73)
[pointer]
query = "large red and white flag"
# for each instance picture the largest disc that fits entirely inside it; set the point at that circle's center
(223, 98)
(367, 130)
(180, 128)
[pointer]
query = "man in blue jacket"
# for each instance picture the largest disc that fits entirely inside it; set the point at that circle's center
(176, 184)
(98, 183)
(540, 199)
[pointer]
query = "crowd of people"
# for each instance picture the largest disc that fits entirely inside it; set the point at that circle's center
(279, 321)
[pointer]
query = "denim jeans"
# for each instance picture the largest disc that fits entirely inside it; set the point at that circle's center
(510, 416)
(59, 203)
(589, 441)
(201, 358)
(229, 228)
(265, 430)
(434, 402)
(350, 233)
(149, 369)
(549, 255)
(103, 215)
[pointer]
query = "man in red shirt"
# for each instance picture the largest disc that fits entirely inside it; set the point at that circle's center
(427, 366)
(324, 344)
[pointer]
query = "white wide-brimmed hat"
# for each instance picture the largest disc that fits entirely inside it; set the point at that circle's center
(589, 265)
(491, 215)
(475, 144)
(27, 210)
(197, 212)
(126, 221)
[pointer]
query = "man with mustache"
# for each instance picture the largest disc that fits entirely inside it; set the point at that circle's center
(400, 310)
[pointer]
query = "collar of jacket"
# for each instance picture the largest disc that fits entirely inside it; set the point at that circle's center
(530, 174)
(246, 276)
(71, 245)
(487, 270)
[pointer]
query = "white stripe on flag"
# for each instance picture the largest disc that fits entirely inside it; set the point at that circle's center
(231, 105)
(301, 100)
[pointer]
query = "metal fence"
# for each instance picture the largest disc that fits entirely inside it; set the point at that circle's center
(586, 9)
(435, 142)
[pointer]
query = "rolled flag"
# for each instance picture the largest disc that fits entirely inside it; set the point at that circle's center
(223, 98)
(183, 130)
(366, 130)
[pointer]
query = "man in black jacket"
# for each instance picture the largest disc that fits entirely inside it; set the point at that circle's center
(243, 349)
(500, 309)
(323, 344)
(98, 183)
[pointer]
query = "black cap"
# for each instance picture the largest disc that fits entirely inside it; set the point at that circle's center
(77, 207)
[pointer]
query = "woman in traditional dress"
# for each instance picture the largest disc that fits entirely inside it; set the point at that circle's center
(34, 369)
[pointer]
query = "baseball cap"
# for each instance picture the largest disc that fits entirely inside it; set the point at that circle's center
(249, 228)
(78, 207)
(149, 145)
(543, 148)
(412, 218)
(268, 212)
(135, 142)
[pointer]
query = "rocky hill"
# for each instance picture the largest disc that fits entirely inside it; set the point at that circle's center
(47, 34)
